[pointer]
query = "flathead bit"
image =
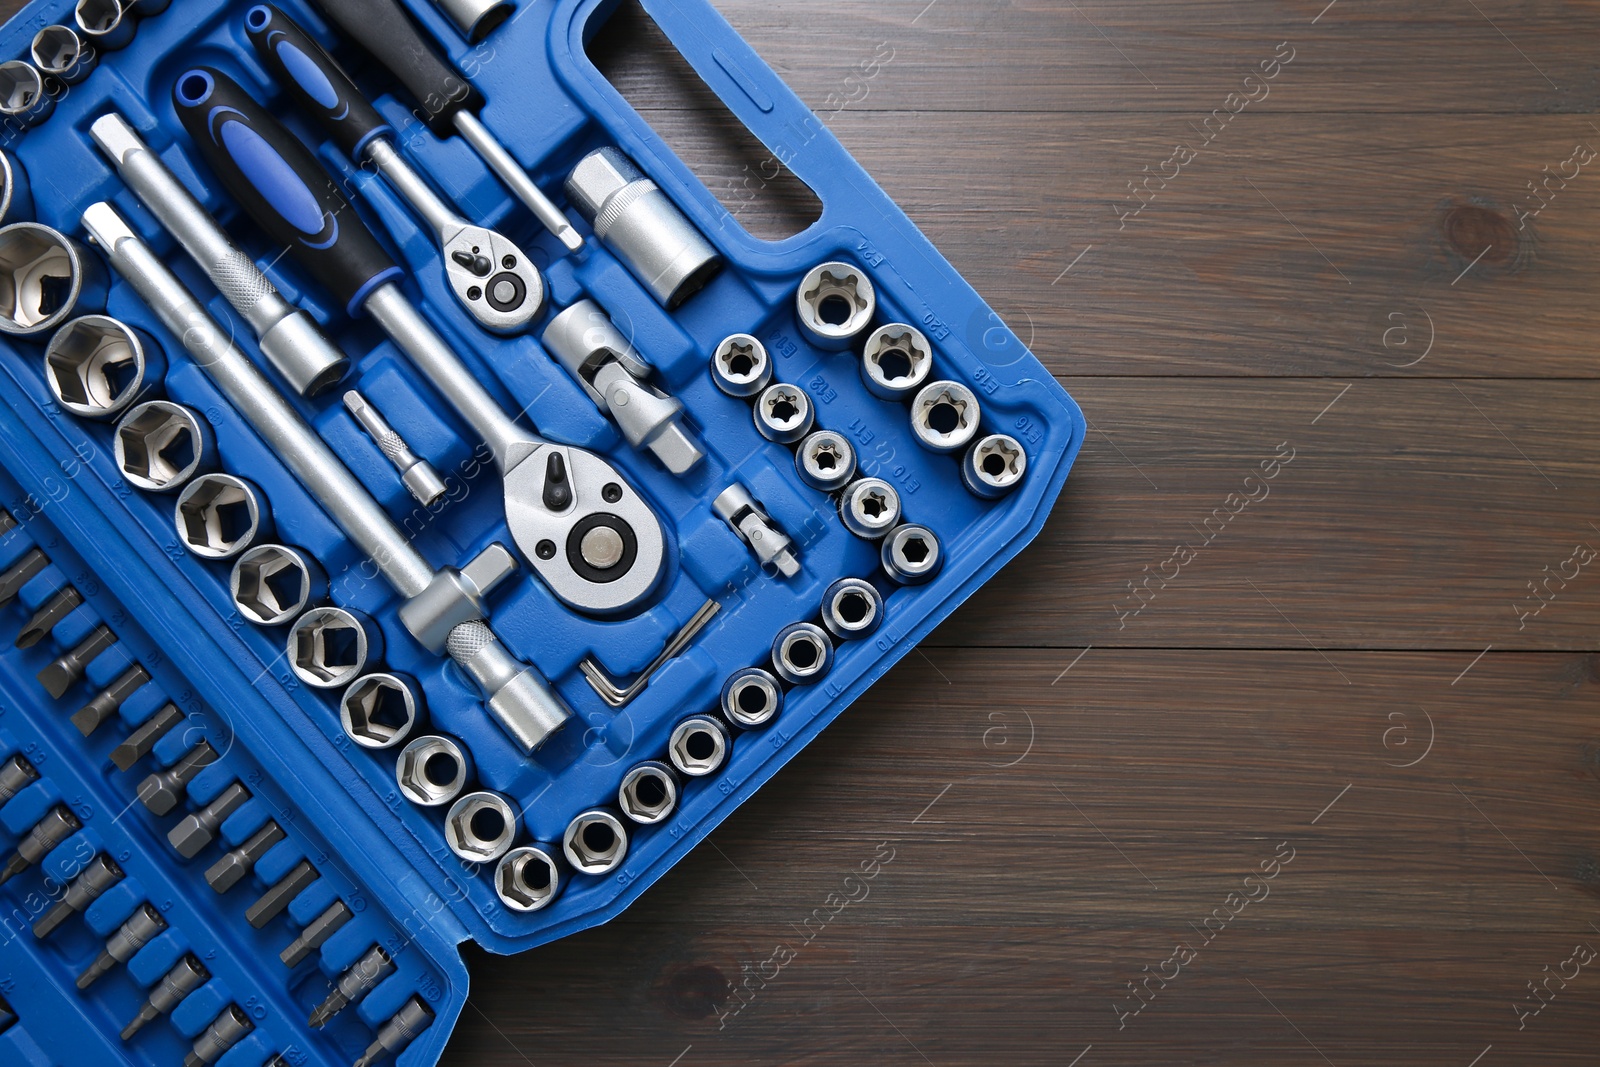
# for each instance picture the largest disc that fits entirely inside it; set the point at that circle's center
(20, 574)
(57, 825)
(139, 744)
(396, 1035)
(106, 703)
(137, 931)
(281, 894)
(365, 973)
(184, 978)
(16, 774)
(101, 874)
(68, 668)
(52, 611)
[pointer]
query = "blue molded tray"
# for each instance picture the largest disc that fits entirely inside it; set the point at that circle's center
(385, 858)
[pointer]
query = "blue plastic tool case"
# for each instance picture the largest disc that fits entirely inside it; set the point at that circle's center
(338, 803)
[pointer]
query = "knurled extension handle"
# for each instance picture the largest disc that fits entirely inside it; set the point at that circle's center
(315, 81)
(387, 30)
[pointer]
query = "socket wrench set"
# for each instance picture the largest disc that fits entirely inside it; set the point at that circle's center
(426, 511)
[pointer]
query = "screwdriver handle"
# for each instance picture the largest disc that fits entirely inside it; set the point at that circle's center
(387, 30)
(317, 83)
(282, 186)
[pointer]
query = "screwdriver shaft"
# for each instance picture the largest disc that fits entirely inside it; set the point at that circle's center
(516, 179)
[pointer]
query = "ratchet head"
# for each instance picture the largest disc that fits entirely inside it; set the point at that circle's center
(492, 278)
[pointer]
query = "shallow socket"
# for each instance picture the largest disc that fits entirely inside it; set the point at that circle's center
(911, 554)
(825, 461)
(379, 710)
(649, 793)
(480, 827)
(801, 653)
(329, 647)
(852, 608)
(740, 366)
(271, 584)
(896, 361)
(45, 277)
(698, 746)
(751, 698)
(218, 516)
(870, 508)
(97, 366)
(835, 303)
(944, 417)
(596, 842)
(432, 771)
(528, 878)
(994, 465)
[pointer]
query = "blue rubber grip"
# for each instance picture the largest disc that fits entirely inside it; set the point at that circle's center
(281, 185)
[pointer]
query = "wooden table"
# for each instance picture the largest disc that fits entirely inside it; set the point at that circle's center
(1383, 664)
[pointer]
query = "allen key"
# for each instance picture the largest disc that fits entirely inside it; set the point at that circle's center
(614, 693)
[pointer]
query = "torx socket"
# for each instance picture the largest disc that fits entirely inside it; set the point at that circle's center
(228, 871)
(57, 825)
(106, 703)
(994, 465)
(16, 774)
(272, 903)
(137, 931)
(199, 828)
(316, 935)
(869, 508)
(225, 1031)
(825, 460)
(945, 416)
(835, 303)
(354, 984)
(896, 361)
(161, 791)
(68, 668)
(741, 366)
(20, 574)
(784, 413)
(101, 874)
(397, 1034)
(59, 606)
(186, 976)
(139, 744)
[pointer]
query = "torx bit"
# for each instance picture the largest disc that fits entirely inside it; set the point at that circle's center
(236, 863)
(184, 978)
(396, 1035)
(101, 874)
(106, 703)
(137, 931)
(162, 790)
(199, 828)
(353, 984)
(225, 1031)
(271, 903)
(316, 935)
(59, 606)
(20, 574)
(70, 665)
(16, 774)
(57, 825)
(143, 739)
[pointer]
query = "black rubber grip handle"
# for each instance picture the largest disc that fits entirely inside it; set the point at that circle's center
(317, 83)
(283, 187)
(387, 30)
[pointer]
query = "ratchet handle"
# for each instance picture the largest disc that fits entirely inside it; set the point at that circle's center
(318, 84)
(387, 30)
(282, 186)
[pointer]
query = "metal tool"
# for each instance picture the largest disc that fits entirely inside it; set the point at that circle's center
(476, 19)
(648, 793)
(869, 508)
(231, 869)
(67, 669)
(353, 985)
(57, 825)
(330, 646)
(432, 771)
(994, 466)
(59, 52)
(163, 790)
(142, 740)
(911, 554)
(23, 99)
(45, 277)
(835, 303)
(184, 978)
(61, 604)
(825, 460)
(16, 193)
(755, 528)
(416, 473)
(528, 878)
(636, 221)
(698, 746)
(615, 693)
(896, 361)
(480, 827)
(24, 570)
(136, 931)
(784, 413)
(160, 445)
(16, 774)
(740, 365)
(226, 1030)
(583, 339)
(751, 698)
(852, 608)
(281, 894)
(802, 653)
(199, 828)
(379, 710)
(109, 700)
(445, 609)
(272, 584)
(316, 934)
(91, 884)
(595, 842)
(396, 1035)
(489, 276)
(106, 25)
(944, 416)
(220, 515)
(449, 103)
(8, 522)
(556, 495)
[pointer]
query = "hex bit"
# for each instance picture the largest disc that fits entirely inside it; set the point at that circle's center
(137, 931)
(199, 828)
(16, 774)
(355, 983)
(236, 863)
(139, 744)
(109, 700)
(161, 791)
(57, 825)
(101, 874)
(396, 1035)
(68, 668)
(186, 976)
(316, 934)
(225, 1031)
(59, 606)
(20, 574)
(271, 903)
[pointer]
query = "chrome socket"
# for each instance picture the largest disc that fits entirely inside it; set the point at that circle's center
(23, 99)
(528, 878)
(16, 193)
(835, 304)
(45, 278)
(218, 516)
(329, 647)
(784, 413)
(994, 465)
(59, 52)
(105, 25)
(432, 771)
(379, 710)
(802, 653)
(741, 366)
(911, 554)
(476, 19)
(896, 361)
(698, 746)
(751, 698)
(480, 827)
(160, 445)
(272, 584)
(869, 508)
(96, 366)
(852, 608)
(745, 516)
(596, 842)
(944, 417)
(649, 793)
(825, 461)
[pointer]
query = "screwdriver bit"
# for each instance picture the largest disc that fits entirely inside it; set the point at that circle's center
(225, 1031)
(106, 703)
(16, 774)
(20, 574)
(139, 743)
(396, 1035)
(184, 978)
(101, 874)
(135, 933)
(52, 611)
(352, 985)
(57, 825)
(161, 791)
(199, 828)
(236, 863)
(62, 674)
(316, 935)
(271, 903)
(8, 522)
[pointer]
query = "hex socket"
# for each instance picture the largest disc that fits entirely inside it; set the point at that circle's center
(751, 698)
(802, 653)
(23, 99)
(911, 554)
(45, 278)
(480, 827)
(329, 647)
(595, 842)
(529, 878)
(59, 52)
(220, 515)
(852, 608)
(96, 366)
(432, 771)
(106, 24)
(648, 793)
(160, 445)
(698, 746)
(16, 193)
(272, 584)
(379, 710)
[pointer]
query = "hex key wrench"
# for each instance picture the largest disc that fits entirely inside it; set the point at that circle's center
(517, 697)
(587, 533)
(488, 275)
(449, 102)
